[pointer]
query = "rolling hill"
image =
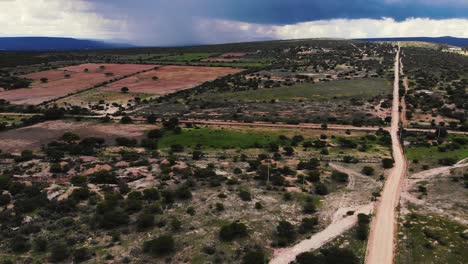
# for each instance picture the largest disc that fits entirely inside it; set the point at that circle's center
(52, 43)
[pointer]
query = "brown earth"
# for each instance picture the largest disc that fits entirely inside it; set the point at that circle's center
(381, 243)
(59, 85)
(33, 137)
(170, 79)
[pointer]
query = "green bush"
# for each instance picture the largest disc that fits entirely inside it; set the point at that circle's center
(159, 246)
(368, 170)
(387, 163)
(340, 176)
(59, 252)
(233, 231)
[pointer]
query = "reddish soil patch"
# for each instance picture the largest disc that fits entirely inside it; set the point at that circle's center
(170, 79)
(33, 137)
(59, 85)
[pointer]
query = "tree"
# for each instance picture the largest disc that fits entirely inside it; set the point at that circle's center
(310, 258)
(286, 233)
(26, 155)
(145, 220)
(288, 151)
(197, 154)
(245, 195)
(321, 189)
(387, 163)
(103, 177)
(44, 80)
(155, 134)
(59, 251)
(339, 255)
(151, 118)
(70, 137)
(159, 246)
(308, 224)
(256, 256)
(340, 176)
(124, 89)
(232, 231)
(81, 254)
(19, 244)
(126, 120)
(368, 170)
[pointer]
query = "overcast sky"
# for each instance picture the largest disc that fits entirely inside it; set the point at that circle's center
(182, 22)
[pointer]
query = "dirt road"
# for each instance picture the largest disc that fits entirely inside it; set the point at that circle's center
(381, 244)
(287, 255)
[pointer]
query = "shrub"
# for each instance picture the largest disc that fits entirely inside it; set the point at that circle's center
(126, 120)
(103, 177)
(233, 231)
(151, 194)
(387, 163)
(4, 199)
(145, 220)
(155, 134)
(40, 244)
(70, 137)
(79, 180)
(245, 195)
(368, 170)
(183, 192)
(81, 254)
(286, 233)
(340, 176)
(113, 218)
(254, 257)
(309, 208)
(126, 142)
(177, 148)
(19, 244)
(59, 252)
(308, 224)
(159, 246)
(197, 154)
(321, 189)
(219, 207)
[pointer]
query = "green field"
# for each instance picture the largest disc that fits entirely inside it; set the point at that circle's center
(431, 155)
(188, 57)
(218, 138)
(343, 89)
(432, 239)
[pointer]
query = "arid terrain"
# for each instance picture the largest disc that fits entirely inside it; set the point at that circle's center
(301, 151)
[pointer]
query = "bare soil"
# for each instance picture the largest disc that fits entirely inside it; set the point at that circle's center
(59, 85)
(33, 137)
(170, 79)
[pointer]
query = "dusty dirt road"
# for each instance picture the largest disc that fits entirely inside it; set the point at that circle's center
(381, 244)
(287, 255)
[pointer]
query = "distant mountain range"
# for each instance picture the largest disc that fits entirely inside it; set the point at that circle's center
(459, 42)
(54, 44)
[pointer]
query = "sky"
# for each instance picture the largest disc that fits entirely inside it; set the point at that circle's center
(185, 22)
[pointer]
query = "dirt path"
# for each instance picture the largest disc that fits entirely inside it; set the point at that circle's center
(381, 244)
(404, 120)
(287, 255)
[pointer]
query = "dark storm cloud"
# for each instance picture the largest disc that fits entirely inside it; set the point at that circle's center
(175, 22)
(294, 11)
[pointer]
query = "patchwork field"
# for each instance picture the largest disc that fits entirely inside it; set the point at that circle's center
(51, 84)
(170, 79)
(33, 137)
